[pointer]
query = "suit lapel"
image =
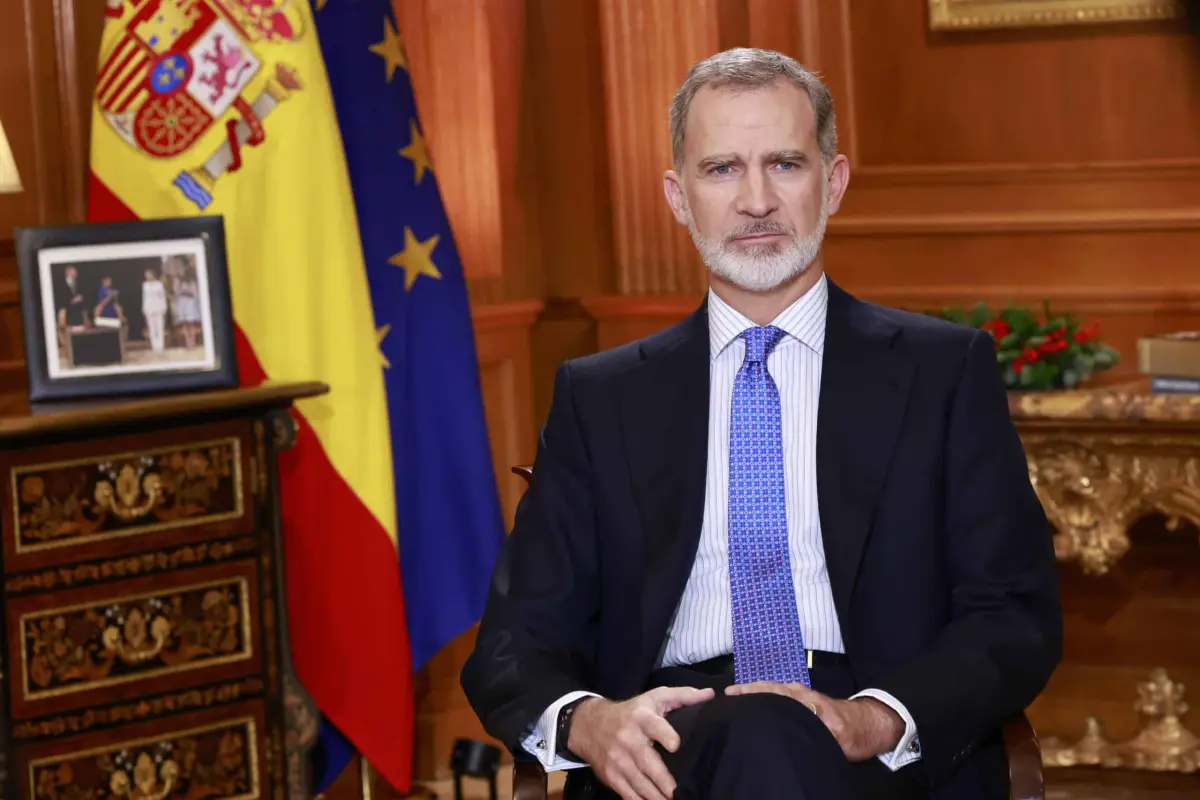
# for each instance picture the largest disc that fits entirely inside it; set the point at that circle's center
(865, 381)
(664, 419)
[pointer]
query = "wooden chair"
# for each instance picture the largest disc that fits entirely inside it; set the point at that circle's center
(1025, 780)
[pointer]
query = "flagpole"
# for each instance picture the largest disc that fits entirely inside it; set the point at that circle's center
(365, 772)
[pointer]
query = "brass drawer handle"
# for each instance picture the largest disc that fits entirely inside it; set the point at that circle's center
(130, 498)
(146, 779)
(137, 649)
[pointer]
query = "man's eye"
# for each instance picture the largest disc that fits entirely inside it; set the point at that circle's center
(788, 166)
(722, 169)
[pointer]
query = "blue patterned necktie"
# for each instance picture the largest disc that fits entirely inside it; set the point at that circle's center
(767, 643)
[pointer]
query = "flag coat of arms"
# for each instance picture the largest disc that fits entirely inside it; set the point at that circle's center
(227, 107)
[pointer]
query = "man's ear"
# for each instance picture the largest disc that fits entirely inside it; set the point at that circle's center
(838, 178)
(673, 189)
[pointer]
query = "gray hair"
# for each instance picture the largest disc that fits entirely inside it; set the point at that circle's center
(749, 68)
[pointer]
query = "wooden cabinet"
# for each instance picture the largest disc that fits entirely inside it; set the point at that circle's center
(143, 601)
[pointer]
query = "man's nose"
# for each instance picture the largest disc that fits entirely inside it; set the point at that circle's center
(756, 197)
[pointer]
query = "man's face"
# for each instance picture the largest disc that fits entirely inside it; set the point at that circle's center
(752, 188)
(71, 273)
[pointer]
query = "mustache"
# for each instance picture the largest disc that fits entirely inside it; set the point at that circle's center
(759, 228)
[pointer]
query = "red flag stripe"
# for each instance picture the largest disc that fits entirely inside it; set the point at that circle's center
(345, 603)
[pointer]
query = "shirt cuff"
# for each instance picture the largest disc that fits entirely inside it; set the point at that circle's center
(908, 749)
(541, 742)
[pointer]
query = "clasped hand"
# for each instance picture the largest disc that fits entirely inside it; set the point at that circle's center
(864, 727)
(617, 739)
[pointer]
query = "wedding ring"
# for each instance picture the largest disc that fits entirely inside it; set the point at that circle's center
(813, 707)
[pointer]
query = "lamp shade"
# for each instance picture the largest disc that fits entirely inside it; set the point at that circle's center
(10, 181)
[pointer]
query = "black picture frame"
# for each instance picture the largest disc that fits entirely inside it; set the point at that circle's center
(191, 249)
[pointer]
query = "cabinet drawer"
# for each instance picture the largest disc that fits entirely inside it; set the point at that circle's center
(128, 639)
(98, 498)
(217, 753)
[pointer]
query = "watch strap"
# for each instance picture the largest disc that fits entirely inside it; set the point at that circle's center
(565, 717)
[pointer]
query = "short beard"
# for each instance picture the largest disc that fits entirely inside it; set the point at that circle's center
(760, 267)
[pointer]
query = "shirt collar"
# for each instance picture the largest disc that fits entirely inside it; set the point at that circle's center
(803, 320)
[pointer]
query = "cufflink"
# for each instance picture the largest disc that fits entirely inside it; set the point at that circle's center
(541, 745)
(914, 747)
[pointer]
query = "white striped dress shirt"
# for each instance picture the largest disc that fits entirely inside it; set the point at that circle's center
(703, 624)
(702, 627)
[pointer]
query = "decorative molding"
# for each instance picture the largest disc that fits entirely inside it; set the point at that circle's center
(1164, 743)
(1094, 488)
(1017, 222)
(674, 306)
(144, 708)
(215, 760)
(1083, 300)
(878, 176)
(302, 721)
(982, 14)
(143, 564)
(122, 639)
(517, 314)
(70, 503)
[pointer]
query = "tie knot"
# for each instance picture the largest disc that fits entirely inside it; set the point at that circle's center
(760, 341)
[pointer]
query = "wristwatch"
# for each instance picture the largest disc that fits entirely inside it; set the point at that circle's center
(565, 715)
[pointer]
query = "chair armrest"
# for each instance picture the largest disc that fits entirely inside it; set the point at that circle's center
(529, 781)
(1025, 779)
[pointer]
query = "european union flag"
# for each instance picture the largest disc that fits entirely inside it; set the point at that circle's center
(449, 522)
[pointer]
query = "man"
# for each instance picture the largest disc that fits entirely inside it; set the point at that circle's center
(787, 548)
(72, 310)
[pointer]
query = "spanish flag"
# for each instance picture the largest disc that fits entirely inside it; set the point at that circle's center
(227, 107)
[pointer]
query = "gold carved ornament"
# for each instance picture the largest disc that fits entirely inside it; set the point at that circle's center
(984, 14)
(128, 639)
(143, 564)
(149, 778)
(144, 708)
(131, 494)
(1094, 488)
(79, 649)
(212, 763)
(94, 498)
(1164, 744)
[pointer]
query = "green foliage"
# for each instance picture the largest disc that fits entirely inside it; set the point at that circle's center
(1047, 351)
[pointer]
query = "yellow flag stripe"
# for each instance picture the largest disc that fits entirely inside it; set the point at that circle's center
(296, 269)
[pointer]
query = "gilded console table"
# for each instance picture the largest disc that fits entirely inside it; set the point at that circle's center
(143, 602)
(1102, 461)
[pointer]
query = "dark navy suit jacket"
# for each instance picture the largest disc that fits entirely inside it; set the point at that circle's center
(939, 553)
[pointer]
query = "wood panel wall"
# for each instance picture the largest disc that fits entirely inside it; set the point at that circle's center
(1047, 163)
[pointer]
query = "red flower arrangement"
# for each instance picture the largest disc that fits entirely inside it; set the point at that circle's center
(1055, 352)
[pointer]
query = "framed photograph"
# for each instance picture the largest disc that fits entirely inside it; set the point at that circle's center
(126, 308)
(986, 14)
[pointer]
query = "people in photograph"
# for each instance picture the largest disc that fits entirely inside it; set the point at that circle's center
(108, 312)
(68, 300)
(186, 296)
(154, 309)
